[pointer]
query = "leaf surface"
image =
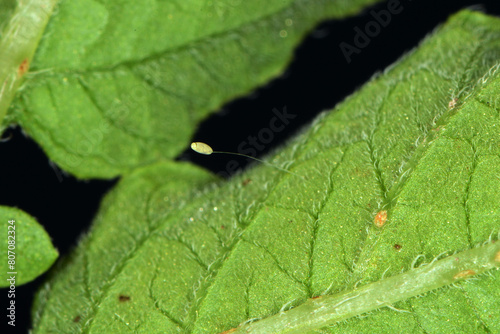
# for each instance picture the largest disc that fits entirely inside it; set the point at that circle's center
(26, 251)
(171, 253)
(118, 84)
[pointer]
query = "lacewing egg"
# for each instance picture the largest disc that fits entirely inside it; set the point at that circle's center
(201, 148)
(205, 149)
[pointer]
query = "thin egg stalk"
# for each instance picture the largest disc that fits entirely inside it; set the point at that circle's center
(205, 149)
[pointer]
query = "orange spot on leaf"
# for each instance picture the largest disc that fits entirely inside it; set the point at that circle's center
(380, 218)
(464, 274)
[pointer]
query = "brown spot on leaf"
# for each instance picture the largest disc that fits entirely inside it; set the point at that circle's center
(464, 274)
(247, 181)
(77, 319)
(23, 68)
(397, 246)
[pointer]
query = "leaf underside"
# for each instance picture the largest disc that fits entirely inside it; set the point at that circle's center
(122, 84)
(172, 251)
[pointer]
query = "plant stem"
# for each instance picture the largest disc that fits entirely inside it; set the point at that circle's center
(18, 45)
(319, 312)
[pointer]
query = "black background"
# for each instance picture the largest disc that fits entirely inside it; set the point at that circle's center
(317, 78)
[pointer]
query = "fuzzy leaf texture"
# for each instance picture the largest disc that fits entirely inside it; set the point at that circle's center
(117, 84)
(172, 251)
(26, 244)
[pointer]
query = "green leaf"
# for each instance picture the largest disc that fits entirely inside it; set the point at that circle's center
(26, 251)
(168, 254)
(7, 7)
(141, 75)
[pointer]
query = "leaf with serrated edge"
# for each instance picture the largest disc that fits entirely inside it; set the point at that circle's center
(118, 84)
(164, 257)
(26, 243)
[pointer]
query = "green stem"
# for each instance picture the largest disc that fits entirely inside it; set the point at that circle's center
(323, 311)
(17, 47)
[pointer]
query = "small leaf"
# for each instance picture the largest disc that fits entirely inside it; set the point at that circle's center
(169, 253)
(120, 84)
(26, 251)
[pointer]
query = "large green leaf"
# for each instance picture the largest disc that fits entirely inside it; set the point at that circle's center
(118, 84)
(168, 254)
(26, 249)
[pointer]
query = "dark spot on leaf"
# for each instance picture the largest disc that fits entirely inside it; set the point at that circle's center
(123, 298)
(23, 68)
(397, 246)
(316, 297)
(222, 227)
(452, 103)
(247, 181)
(77, 319)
